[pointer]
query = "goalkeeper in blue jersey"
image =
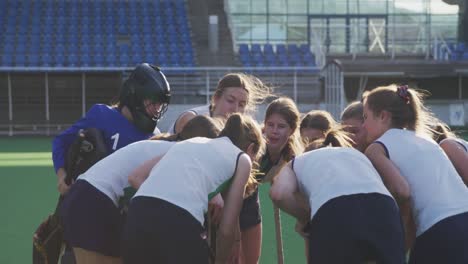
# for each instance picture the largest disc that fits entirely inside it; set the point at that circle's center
(143, 99)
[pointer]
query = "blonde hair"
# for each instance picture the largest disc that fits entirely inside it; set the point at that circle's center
(242, 130)
(405, 105)
(288, 110)
(199, 126)
(335, 137)
(257, 91)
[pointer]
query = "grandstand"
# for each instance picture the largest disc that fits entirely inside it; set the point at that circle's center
(95, 33)
(57, 58)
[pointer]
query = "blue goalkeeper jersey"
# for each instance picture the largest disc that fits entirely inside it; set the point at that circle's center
(117, 131)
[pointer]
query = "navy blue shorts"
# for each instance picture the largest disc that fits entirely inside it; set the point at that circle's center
(444, 242)
(91, 220)
(356, 228)
(250, 213)
(157, 231)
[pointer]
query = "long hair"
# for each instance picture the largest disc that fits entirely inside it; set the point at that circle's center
(441, 131)
(335, 137)
(286, 108)
(242, 130)
(199, 126)
(404, 104)
(318, 119)
(257, 91)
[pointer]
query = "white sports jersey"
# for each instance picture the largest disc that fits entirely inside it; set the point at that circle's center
(191, 171)
(110, 175)
(437, 191)
(460, 141)
(200, 110)
(327, 173)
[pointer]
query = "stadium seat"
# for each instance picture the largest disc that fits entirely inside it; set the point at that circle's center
(33, 60)
(255, 49)
(46, 60)
(7, 59)
(281, 49)
(72, 60)
(243, 49)
(79, 32)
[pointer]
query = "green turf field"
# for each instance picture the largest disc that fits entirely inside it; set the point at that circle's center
(28, 188)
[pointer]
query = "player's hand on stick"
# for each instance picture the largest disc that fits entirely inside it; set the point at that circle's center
(215, 209)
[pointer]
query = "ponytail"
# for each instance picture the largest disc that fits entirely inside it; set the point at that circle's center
(199, 126)
(242, 131)
(335, 137)
(165, 137)
(404, 104)
(441, 131)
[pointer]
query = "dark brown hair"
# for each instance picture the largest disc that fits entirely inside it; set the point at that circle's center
(288, 110)
(242, 130)
(318, 119)
(441, 131)
(199, 126)
(335, 137)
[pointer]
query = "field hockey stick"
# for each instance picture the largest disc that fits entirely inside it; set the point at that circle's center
(279, 240)
(211, 238)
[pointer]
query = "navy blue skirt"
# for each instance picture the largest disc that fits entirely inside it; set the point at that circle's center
(91, 220)
(357, 228)
(444, 242)
(250, 212)
(157, 231)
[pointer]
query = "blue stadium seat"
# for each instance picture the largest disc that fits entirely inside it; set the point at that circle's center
(20, 48)
(79, 32)
(124, 60)
(243, 49)
(45, 60)
(465, 55)
(33, 59)
(268, 49)
(304, 48)
(293, 50)
(255, 49)
(7, 59)
(9, 48)
(72, 60)
(111, 60)
(98, 59)
(84, 60)
(281, 49)
(270, 59)
(59, 60)
(137, 58)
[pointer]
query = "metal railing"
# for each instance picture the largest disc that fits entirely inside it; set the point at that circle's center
(195, 86)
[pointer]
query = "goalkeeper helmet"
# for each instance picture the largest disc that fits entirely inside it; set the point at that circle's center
(146, 85)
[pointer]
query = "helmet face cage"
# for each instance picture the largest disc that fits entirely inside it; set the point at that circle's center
(156, 116)
(146, 82)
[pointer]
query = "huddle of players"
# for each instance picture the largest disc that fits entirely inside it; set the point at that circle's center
(389, 178)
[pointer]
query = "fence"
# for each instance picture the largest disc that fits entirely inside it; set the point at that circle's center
(44, 101)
